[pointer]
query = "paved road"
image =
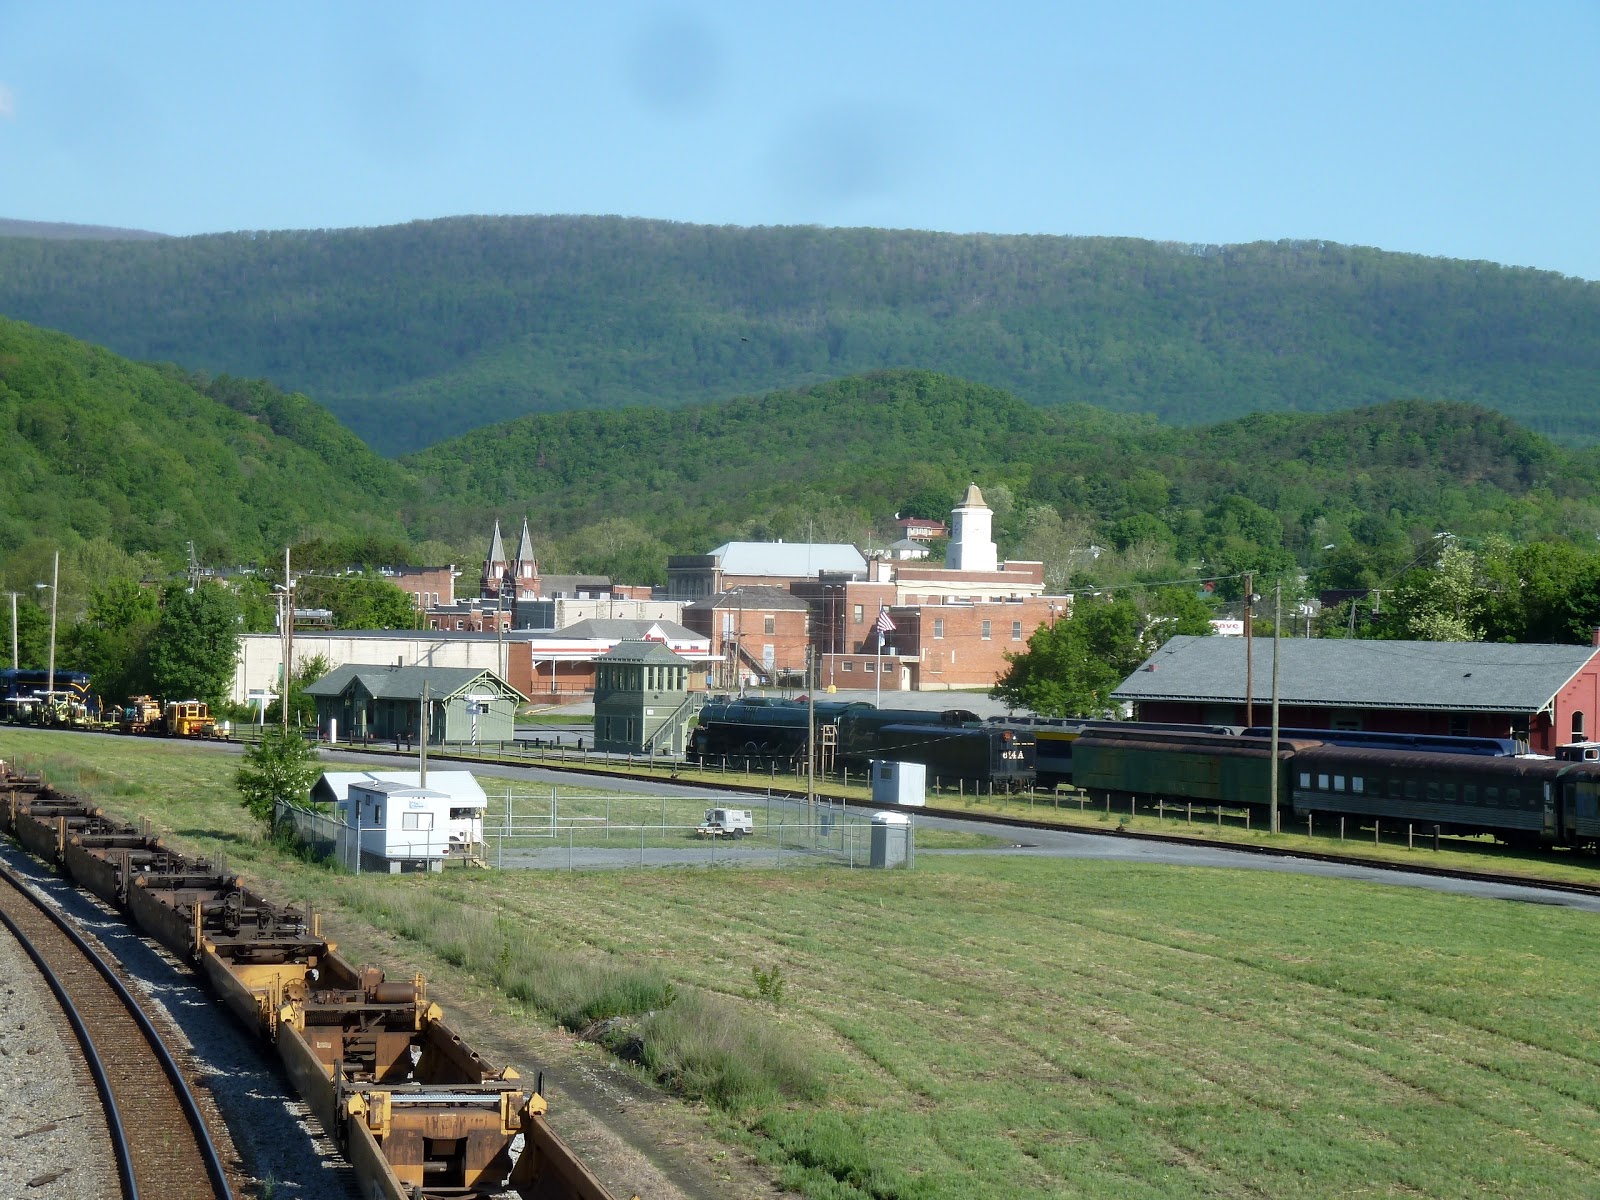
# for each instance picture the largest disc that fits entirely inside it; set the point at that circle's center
(1037, 843)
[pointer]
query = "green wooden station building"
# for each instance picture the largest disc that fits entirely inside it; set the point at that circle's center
(358, 703)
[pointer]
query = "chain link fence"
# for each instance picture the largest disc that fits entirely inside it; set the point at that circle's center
(528, 828)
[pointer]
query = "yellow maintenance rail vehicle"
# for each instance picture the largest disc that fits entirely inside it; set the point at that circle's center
(188, 718)
(140, 715)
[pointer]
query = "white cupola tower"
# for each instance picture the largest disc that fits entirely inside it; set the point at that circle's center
(972, 545)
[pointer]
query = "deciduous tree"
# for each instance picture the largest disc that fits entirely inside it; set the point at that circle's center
(280, 767)
(196, 644)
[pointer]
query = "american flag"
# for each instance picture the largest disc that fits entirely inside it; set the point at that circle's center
(884, 624)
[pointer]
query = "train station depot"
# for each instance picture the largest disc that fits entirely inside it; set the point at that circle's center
(1539, 695)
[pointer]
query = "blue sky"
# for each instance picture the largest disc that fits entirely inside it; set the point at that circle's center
(1460, 129)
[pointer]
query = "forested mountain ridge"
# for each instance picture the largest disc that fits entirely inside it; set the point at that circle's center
(415, 333)
(621, 490)
(149, 458)
(139, 459)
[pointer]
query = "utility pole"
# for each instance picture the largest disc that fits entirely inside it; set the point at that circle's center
(14, 662)
(499, 635)
(55, 591)
(1249, 648)
(811, 731)
(288, 638)
(422, 746)
(1277, 608)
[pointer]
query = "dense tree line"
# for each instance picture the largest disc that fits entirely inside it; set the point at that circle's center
(416, 333)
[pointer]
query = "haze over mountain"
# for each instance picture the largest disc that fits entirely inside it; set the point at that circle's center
(63, 231)
(415, 333)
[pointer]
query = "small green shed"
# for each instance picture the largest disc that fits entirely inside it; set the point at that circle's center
(641, 699)
(359, 703)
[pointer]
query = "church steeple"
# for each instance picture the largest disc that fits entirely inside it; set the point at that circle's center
(527, 566)
(494, 567)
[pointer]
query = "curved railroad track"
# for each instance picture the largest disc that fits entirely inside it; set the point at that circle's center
(162, 1148)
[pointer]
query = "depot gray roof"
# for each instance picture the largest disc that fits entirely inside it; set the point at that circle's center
(405, 683)
(1345, 673)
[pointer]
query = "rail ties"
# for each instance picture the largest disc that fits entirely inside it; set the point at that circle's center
(163, 1149)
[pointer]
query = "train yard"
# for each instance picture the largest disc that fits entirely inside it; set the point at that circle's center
(1033, 840)
(417, 1111)
(156, 1133)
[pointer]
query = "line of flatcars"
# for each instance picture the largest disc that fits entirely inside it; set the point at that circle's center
(417, 1111)
(1463, 785)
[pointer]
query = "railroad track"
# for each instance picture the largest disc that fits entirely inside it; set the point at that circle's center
(159, 1139)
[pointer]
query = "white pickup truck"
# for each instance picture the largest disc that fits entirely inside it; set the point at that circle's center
(727, 822)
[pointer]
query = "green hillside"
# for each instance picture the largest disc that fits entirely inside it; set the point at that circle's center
(145, 459)
(98, 447)
(412, 334)
(833, 461)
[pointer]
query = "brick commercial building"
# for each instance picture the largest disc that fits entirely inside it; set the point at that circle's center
(1539, 695)
(428, 587)
(952, 625)
(759, 636)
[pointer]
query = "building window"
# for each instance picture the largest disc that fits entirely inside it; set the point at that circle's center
(869, 666)
(416, 820)
(459, 623)
(1016, 631)
(769, 624)
(1460, 725)
(847, 666)
(1577, 726)
(985, 632)
(938, 627)
(856, 614)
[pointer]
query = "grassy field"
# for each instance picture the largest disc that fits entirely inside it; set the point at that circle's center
(997, 1027)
